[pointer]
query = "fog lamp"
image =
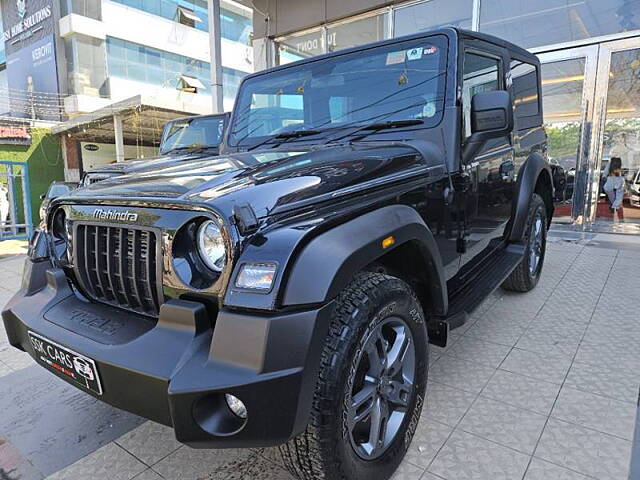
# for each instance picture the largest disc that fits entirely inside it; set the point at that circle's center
(236, 406)
(256, 276)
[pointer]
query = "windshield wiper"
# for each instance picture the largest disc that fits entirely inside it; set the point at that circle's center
(392, 124)
(284, 136)
(190, 149)
(371, 128)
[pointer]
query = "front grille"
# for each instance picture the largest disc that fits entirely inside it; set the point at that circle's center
(118, 266)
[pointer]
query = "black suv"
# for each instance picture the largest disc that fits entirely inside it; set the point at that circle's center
(185, 138)
(286, 292)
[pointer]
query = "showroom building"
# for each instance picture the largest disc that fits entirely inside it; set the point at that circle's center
(95, 66)
(590, 55)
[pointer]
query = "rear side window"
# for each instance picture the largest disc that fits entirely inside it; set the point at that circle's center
(481, 74)
(524, 77)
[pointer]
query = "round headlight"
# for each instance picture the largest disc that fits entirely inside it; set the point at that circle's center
(211, 245)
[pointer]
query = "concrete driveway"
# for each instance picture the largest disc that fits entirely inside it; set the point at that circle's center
(536, 386)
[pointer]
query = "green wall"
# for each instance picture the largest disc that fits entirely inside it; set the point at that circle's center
(44, 157)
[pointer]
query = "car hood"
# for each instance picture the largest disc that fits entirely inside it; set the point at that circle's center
(132, 166)
(266, 180)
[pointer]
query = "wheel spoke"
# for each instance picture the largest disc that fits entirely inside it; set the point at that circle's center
(361, 404)
(377, 353)
(397, 352)
(379, 419)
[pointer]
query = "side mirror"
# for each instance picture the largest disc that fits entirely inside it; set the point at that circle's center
(491, 117)
(43, 196)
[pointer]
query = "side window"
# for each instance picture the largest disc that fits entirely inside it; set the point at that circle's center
(480, 74)
(524, 78)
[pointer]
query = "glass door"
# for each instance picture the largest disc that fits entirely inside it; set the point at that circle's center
(615, 184)
(568, 90)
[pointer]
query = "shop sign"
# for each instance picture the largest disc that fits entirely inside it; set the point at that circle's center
(15, 134)
(26, 21)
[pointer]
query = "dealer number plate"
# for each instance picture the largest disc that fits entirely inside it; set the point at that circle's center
(75, 367)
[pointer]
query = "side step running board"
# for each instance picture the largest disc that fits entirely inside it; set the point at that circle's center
(470, 295)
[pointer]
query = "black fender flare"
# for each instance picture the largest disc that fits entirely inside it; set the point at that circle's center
(329, 261)
(535, 165)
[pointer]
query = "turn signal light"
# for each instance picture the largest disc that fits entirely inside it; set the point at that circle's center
(256, 276)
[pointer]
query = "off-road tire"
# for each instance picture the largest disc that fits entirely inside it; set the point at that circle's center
(324, 451)
(522, 279)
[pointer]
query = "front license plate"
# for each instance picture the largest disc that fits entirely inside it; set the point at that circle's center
(76, 367)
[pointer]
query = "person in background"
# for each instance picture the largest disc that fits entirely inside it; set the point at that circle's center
(614, 184)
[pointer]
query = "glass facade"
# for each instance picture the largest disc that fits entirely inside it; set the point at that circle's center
(357, 32)
(3, 56)
(546, 22)
(86, 8)
(234, 26)
(432, 14)
(619, 195)
(86, 67)
(143, 64)
(297, 47)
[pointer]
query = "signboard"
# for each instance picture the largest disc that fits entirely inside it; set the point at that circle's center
(33, 81)
(26, 22)
(14, 134)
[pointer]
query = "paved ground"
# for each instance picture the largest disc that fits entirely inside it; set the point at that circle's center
(536, 386)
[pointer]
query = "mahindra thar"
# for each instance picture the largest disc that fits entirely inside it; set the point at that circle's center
(286, 292)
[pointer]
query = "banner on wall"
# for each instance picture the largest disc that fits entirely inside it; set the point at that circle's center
(33, 81)
(30, 47)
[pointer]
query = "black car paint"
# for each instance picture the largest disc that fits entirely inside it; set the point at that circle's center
(265, 348)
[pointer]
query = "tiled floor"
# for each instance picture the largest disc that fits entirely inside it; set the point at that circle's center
(536, 386)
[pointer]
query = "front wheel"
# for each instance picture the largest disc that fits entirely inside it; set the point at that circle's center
(526, 275)
(371, 385)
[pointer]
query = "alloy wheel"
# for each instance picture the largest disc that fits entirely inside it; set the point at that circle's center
(382, 388)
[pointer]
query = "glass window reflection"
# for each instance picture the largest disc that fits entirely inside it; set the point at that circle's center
(432, 14)
(546, 22)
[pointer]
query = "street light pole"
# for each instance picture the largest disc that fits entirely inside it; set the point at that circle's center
(216, 56)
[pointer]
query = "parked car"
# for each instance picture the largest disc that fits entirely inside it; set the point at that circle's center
(285, 292)
(55, 190)
(182, 139)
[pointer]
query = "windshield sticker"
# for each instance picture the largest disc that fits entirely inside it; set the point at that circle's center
(414, 54)
(394, 58)
(430, 50)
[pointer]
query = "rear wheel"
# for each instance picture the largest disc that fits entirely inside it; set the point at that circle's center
(526, 275)
(371, 386)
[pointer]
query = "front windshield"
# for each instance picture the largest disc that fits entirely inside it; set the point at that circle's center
(198, 132)
(401, 81)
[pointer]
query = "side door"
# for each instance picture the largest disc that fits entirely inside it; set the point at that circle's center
(487, 180)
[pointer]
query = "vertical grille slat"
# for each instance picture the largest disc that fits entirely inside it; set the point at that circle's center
(117, 265)
(98, 265)
(151, 277)
(134, 259)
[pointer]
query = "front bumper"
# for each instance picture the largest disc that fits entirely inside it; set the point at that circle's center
(176, 370)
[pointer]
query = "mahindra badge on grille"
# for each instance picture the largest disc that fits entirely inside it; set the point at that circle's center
(125, 216)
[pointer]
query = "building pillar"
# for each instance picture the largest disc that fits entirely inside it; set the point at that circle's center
(117, 130)
(216, 56)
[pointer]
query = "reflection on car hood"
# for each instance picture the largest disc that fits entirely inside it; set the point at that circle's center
(265, 180)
